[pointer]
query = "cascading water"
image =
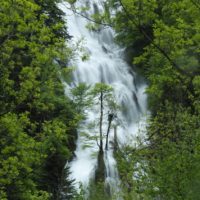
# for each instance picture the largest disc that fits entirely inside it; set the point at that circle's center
(105, 64)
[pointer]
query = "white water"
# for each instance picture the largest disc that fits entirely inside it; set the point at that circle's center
(105, 63)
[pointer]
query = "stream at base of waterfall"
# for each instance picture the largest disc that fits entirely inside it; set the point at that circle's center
(105, 63)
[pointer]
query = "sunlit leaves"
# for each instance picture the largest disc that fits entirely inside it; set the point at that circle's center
(36, 117)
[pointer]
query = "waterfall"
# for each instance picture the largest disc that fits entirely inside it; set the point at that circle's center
(105, 63)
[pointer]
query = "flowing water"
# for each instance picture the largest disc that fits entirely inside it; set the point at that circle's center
(105, 64)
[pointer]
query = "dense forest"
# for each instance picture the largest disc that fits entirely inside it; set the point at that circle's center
(39, 120)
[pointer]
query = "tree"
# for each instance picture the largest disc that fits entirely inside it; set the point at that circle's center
(102, 94)
(37, 122)
(19, 152)
(164, 39)
(91, 98)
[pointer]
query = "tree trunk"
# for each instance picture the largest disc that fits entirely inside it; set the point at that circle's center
(100, 171)
(115, 139)
(110, 118)
(101, 123)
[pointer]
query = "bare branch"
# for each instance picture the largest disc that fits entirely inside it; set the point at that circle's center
(86, 17)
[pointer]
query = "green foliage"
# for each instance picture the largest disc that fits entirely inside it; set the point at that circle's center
(97, 191)
(176, 150)
(87, 97)
(37, 120)
(167, 166)
(107, 96)
(81, 97)
(19, 152)
(71, 1)
(163, 37)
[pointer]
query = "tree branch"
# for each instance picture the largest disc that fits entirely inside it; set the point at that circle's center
(162, 51)
(196, 4)
(89, 19)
